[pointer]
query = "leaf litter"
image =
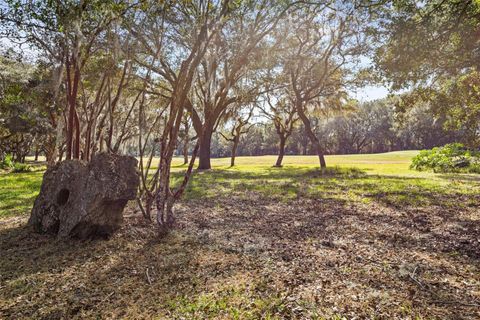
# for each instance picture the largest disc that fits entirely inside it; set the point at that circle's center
(247, 256)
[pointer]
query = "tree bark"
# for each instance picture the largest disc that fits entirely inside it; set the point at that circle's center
(76, 146)
(204, 154)
(88, 141)
(311, 135)
(234, 150)
(50, 151)
(320, 154)
(72, 89)
(70, 130)
(185, 151)
(281, 151)
(185, 143)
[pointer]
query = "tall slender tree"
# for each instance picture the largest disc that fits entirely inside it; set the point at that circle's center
(240, 123)
(321, 46)
(191, 26)
(283, 115)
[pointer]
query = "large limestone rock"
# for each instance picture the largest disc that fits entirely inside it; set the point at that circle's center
(85, 200)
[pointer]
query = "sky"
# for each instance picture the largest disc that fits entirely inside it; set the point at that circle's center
(369, 93)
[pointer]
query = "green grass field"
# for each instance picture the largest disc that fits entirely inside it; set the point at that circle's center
(381, 163)
(382, 177)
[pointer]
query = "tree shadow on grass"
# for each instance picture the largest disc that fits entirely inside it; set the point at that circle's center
(337, 183)
(460, 177)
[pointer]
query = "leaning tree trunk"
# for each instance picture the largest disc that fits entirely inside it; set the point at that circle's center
(281, 152)
(320, 154)
(311, 135)
(185, 150)
(204, 155)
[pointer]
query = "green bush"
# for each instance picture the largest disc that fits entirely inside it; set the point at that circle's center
(452, 157)
(7, 162)
(21, 167)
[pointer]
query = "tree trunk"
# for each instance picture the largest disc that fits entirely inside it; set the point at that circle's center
(50, 150)
(281, 152)
(185, 153)
(311, 135)
(204, 154)
(185, 150)
(76, 146)
(234, 151)
(72, 89)
(304, 143)
(88, 140)
(186, 138)
(70, 129)
(321, 157)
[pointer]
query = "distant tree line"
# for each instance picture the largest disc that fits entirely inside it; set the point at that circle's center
(371, 127)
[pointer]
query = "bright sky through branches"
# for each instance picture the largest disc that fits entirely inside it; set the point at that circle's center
(369, 93)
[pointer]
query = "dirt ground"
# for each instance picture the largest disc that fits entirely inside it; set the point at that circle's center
(248, 257)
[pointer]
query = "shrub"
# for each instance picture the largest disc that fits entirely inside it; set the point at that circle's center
(7, 162)
(452, 157)
(21, 167)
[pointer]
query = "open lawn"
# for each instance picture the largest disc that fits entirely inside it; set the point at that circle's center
(368, 238)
